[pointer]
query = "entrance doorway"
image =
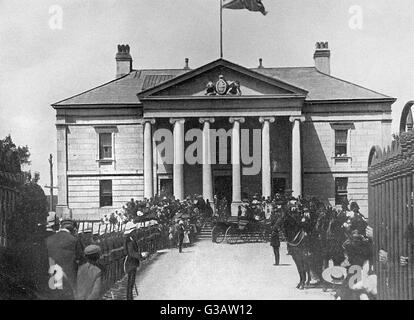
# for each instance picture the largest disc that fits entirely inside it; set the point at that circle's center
(223, 189)
(279, 185)
(166, 187)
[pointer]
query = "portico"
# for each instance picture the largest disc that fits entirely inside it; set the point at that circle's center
(208, 162)
(188, 105)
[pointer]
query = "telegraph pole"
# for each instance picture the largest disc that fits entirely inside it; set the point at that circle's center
(51, 187)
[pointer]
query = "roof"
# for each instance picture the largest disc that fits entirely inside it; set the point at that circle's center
(320, 85)
(124, 90)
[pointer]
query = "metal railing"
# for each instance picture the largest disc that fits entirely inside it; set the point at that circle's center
(391, 211)
(111, 240)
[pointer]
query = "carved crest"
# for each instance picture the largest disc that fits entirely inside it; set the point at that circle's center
(223, 87)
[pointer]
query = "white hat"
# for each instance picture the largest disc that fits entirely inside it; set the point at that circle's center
(334, 275)
(129, 227)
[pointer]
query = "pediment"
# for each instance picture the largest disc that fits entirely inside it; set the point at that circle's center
(223, 79)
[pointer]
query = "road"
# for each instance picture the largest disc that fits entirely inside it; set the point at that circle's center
(222, 271)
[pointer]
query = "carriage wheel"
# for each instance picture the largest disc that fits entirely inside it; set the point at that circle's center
(217, 235)
(231, 235)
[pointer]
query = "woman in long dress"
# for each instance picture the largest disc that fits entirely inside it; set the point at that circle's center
(186, 240)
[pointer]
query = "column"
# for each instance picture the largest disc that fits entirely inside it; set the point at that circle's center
(236, 166)
(148, 165)
(266, 167)
(62, 208)
(207, 174)
(178, 166)
(296, 156)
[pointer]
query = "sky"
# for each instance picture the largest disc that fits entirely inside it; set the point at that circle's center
(53, 49)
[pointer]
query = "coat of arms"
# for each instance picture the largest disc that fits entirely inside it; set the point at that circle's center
(223, 87)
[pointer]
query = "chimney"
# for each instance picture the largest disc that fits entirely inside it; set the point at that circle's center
(123, 61)
(260, 63)
(186, 67)
(322, 57)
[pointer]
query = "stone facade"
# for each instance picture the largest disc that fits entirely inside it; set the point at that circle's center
(295, 110)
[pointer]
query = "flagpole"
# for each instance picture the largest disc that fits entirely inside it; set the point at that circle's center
(221, 29)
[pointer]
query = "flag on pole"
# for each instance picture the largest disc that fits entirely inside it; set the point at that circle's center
(251, 5)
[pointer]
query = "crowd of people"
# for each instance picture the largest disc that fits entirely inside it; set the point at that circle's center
(324, 240)
(316, 234)
(75, 251)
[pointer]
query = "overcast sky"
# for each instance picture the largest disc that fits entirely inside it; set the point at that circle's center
(40, 64)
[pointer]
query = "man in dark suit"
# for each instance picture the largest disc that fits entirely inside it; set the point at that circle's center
(132, 260)
(275, 243)
(64, 251)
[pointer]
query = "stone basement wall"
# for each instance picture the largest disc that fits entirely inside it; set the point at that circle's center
(84, 194)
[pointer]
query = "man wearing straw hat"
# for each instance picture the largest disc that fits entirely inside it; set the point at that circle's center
(52, 224)
(132, 259)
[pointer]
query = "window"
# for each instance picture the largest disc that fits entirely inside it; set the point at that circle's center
(341, 142)
(105, 146)
(105, 193)
(341, 191)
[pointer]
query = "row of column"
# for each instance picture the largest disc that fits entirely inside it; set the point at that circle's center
(178, 164)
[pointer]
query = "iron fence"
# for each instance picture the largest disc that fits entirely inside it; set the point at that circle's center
(111, 240)
(391, 209)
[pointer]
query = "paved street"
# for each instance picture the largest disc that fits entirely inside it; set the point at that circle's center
(221, 271)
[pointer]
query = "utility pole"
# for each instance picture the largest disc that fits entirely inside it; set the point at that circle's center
(51, 187)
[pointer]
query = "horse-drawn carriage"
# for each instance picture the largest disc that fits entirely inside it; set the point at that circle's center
(240, 229)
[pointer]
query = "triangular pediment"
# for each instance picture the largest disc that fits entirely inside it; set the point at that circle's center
(222, 76)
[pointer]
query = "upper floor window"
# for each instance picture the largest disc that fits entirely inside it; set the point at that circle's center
(341, 143)
(105, 146)
(105, 136)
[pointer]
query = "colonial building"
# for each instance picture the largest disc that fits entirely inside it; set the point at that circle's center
(311, 131)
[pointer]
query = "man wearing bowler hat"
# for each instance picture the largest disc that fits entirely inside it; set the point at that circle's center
(64, 251)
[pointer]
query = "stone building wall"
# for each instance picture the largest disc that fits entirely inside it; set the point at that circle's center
(84, 170)
(320, 167)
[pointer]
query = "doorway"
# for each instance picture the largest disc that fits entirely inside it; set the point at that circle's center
(166, 187)
(279, 185)
(223, 188)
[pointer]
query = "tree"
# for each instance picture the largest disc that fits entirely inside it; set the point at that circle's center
(22, 152)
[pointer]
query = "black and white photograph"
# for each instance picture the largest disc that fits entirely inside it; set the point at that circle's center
(206, 150)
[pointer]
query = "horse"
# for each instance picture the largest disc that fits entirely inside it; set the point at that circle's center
(295, 231)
